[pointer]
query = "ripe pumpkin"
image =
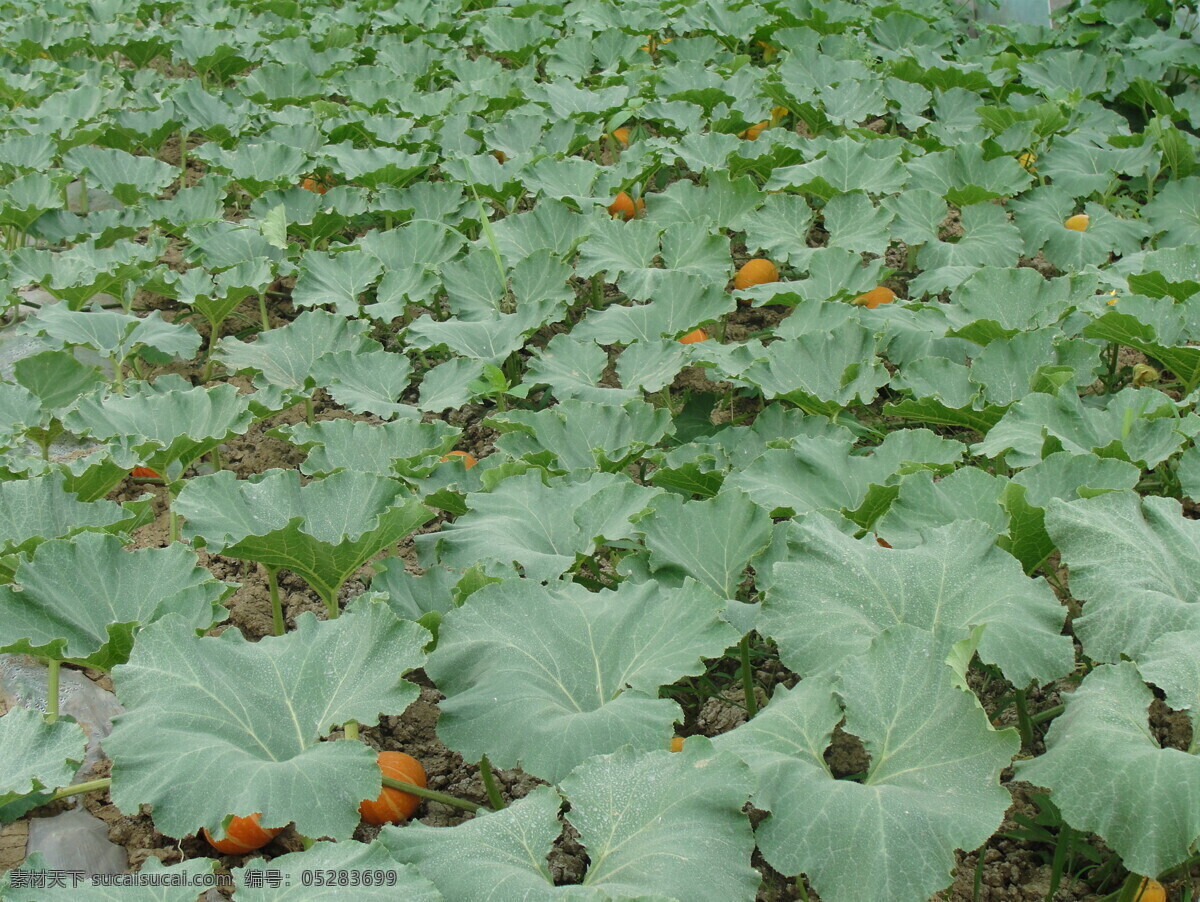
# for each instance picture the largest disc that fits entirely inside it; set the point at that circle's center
(468, 458)
(242, 835)
(622, 135)
(625, 207)
(758, 271)
(144, 473)
(394, 806)
(694, 336)
(1150, 890)
(316, 186)
(677, 743)
(880, 294)
(752, 133)
(1078, 222)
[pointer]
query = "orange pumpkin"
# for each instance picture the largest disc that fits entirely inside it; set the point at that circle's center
(468, 458)
(880, 294)
(242, 835)
(393, 805)
(625, 207)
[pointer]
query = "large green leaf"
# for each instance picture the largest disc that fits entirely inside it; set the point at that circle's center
(408, 445)
(1135, 565)
(169, 428)
(124, 591)
(323, 531)
(1108, 773)
(1001, 303)
(366, 381)
(112, 333)
(681, 302)
(711, 541)
(657, 827)
(284, 358)
(245, 721)
(583, 435)
(834, 594)
(820, 473)
(821, 372)
(337, 280)
(932, 785)
(546, 677)
(41, 757)
(33, 510)
(1140, 425)
(540, 526)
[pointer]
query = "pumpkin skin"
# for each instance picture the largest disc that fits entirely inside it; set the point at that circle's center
(468, 462)
(881, 294)
(242, 835)
(758, 271)
(625, 207)
(394, 806)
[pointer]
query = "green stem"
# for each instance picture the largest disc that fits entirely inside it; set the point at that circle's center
(308, 411)
(79, 789)
(52, 690)
(182, 157)
(1024, 724)
(433, 795)
(1048, 714)
(489, 783)
(977, 888)
(331, 604)
(262, 311)
(212, 346)
(172, 517)
(748, 678)
(276, 604)
(351, 729)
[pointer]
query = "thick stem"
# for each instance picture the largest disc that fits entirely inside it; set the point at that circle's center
(276, 604)
(489, 783)
(262, 311)
(52, 690)
(1024, 724)
(308, 411)
(350, 728)
(79, 789)
(1048, 714)
(172, 517)
(748, 678)
(331, 604)
(433, 795)
(212, 346)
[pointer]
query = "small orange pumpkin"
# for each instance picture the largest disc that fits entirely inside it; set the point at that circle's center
(469, 459)
(880, 294)
(625, 207)
(393, 805)
(242, 835)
